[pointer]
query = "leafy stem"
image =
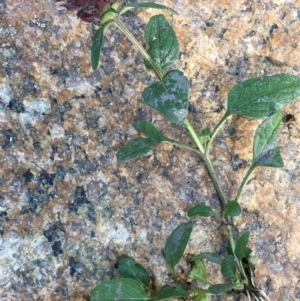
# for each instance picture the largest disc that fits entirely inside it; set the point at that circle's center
(139, 47)
(191, 130)
(207, 162)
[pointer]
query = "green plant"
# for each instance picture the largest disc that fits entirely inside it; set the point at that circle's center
(256, 98)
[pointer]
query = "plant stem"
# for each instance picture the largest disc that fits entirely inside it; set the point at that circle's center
(183, 145)
(207, 162)
(214, 133)
(245, 180)
(194, 136)
(139, 47)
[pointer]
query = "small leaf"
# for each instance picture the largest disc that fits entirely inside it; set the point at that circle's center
(119, 290)
(136, 148)
(168, 292)
(265, 148)
(162, 41)
(212, 257)
(200, 210)
(205, 135)
(232, 208)
(147, 5)
(128, 268)
(218, 289)
(198, 271)
(262, 96)
(150, 130)
(202, 295)
(96, 47)
(228, 267)
(169, 96)
(241, 245)
(176, 243)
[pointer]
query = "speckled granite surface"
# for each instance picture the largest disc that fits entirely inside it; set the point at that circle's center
(67, 209)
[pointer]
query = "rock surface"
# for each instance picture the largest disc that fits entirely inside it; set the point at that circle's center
(68, 209)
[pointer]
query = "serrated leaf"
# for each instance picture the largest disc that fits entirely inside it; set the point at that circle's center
(150, 130)
(96, 47)
(198, 271)
(119, 290)
(147, 5)
(241, 245)
(168, 291)
(262, 96)
(136, 148)
(128, 268)
(232, 208)
(212, 257)
(265, 149)
(169, 96)
(201, 210)
(176, 243)
(228, 267)
(218, 289)
(162, 41)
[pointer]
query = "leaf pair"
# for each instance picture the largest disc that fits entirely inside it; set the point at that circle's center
(232, 208)
(264, 97)
(169, 96)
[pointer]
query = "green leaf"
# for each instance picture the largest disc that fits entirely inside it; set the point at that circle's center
(147, 5)
(262, 96)
(202, 295)
(228, 267)
(212, 257)
(119, 290)
(136, 148)
(96, 47)
(162, 41)
(150, 130)
(265, 149)
(168, 292)
(176, 243)
(128, 268)
(198, 271)
(232, 208)
(241, 245)
(205, 135)
(218, 289)
(200, 210)
(169, 96)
